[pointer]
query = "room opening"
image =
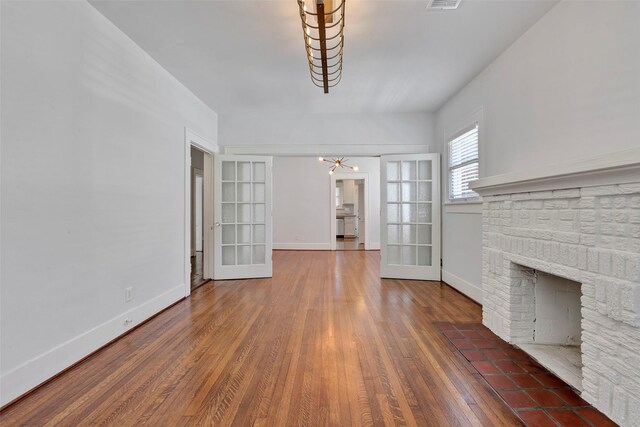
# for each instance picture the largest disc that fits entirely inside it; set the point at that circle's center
(197, 218)
(349, 214)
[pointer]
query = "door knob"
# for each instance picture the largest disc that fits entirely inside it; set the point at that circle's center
(217, 224)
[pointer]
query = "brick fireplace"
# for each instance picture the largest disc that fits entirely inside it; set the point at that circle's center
(561, 267)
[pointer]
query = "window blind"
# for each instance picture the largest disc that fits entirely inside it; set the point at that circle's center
(463, 164)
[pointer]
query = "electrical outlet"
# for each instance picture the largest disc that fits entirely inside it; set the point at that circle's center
(127, 321)
(128, 294)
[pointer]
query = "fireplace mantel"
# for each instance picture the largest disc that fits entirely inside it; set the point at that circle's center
(614, 168)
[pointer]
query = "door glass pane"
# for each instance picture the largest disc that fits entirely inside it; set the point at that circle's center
(424, 255)
(408, 212)
(393, 171)
(424, 234)
(244, 255)
(244, 192)
(228, 171)
(393, 234)
(394, 255)
(228, 212)
(424, 191)
(408, 170)
(228, 255)
(228, 234)
(408, 255)
(424, 169)
(424, 212)
(259, 234)
(393, 212)
(244, 213)
(393, 192)
(228, 192)
(259, 254)
(258, 192)
(409, 234)
(244, 171)
(244, 234)
(409, 191)
(258, 213)
(258, 172)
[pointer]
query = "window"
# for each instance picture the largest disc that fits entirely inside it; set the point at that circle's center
(338, 204)
(463, 163)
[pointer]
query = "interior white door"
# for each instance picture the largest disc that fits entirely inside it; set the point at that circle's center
(410, 216)
(242, 212)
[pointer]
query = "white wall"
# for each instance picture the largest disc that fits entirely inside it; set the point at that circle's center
(92, 186)
(569, 88)
(308, 128)
(302, 197)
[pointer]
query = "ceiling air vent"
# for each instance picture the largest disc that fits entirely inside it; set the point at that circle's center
(443, 4)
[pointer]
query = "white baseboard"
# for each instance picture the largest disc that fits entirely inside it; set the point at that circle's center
(39, 369)
(374, 246)
(469, 289)
(303, 246)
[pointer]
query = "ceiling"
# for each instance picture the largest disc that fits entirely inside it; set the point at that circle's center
(248, 56)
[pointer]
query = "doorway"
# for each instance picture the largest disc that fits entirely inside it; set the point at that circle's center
(198, 211)
(349, 211)
(197, 216)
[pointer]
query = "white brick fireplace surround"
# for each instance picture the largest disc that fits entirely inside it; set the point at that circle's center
(579, 222)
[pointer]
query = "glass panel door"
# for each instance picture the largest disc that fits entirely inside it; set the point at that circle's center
(410, 217)
(243, 217)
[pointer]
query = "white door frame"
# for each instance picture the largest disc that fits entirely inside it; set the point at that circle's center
(191, 139)
(367, 202)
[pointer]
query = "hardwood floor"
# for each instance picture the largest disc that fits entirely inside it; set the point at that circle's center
(324, 342)
(349, 244)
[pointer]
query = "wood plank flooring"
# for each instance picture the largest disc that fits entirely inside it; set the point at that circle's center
(349, 244)
(324, 342)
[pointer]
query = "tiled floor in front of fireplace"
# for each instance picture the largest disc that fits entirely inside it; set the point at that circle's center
(534, 394)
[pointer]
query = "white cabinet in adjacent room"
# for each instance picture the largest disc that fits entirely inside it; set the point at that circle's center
(350, 226)
(349, 191)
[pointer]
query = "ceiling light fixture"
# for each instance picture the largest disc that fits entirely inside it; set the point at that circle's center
(323, 31)
(337, 162)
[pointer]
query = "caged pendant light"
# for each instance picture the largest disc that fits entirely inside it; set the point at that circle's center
(323, 31)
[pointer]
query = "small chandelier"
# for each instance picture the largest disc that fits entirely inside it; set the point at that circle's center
(337, 162)
(323, 31)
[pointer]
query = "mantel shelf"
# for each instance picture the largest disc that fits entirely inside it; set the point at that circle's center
(615, 168)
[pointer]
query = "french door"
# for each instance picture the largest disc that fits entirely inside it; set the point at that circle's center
(242, 217)
(410, 216)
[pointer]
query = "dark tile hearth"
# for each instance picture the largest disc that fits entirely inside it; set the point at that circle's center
(534, 394)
